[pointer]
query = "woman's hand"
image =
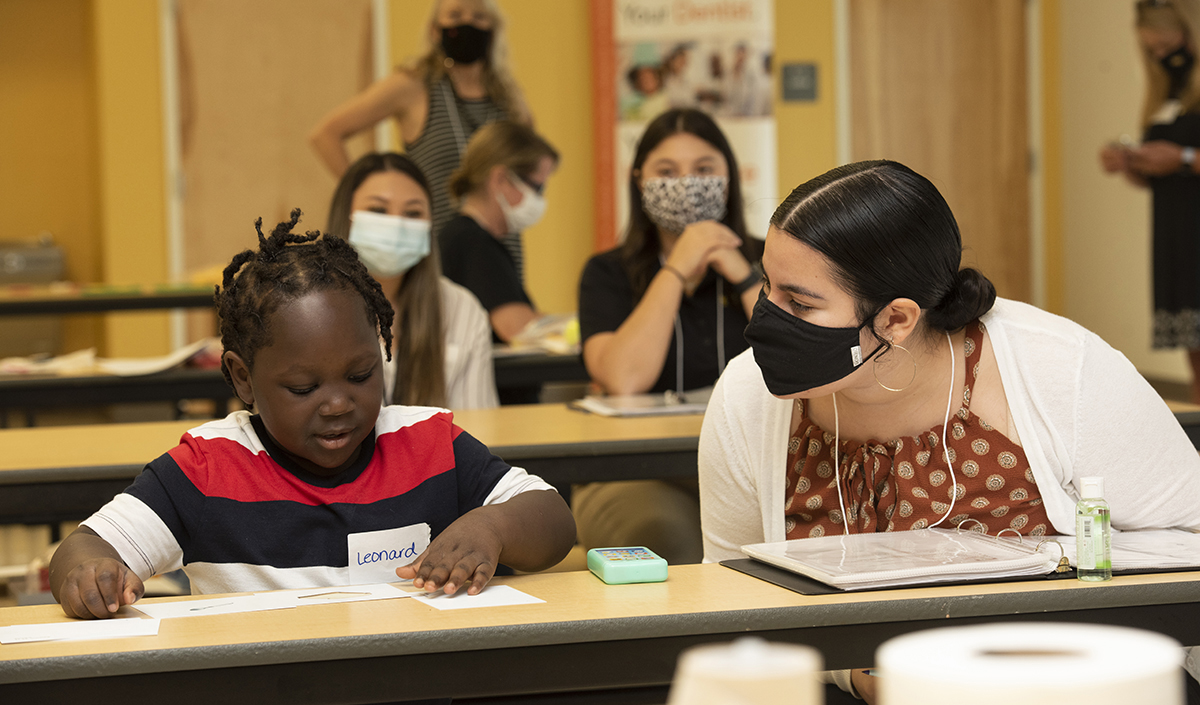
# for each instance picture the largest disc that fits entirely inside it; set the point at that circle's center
(1156, 158)
(1114, 158)
(865, 684)
(699, 246)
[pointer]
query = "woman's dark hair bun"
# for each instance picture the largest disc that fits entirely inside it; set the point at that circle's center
(970, 296)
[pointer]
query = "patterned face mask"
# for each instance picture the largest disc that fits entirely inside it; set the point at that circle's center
(673, 203)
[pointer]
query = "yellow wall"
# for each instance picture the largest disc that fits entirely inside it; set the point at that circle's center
(130, 138)
(807, 135)
(48, 179)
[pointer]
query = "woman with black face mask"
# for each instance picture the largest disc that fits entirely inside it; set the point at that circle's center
(1166, 163)
(438, 100)
(888, 389)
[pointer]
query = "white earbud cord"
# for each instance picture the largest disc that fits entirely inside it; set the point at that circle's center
(946, 448)
(837, 467)
(837, 476)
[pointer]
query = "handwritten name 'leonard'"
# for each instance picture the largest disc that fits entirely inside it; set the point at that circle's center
(386, 555)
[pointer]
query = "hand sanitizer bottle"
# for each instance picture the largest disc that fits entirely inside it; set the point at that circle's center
(1093, 533)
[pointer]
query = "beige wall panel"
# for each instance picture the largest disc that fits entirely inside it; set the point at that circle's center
(939, 85)
(254, 78)
(1106, 230)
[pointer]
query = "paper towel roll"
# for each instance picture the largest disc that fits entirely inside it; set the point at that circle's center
(1031, 664)
(750, 671)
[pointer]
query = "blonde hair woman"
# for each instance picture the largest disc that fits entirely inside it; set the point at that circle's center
(441, 344)
(499, 188)
(1166, 163)
(438, 100)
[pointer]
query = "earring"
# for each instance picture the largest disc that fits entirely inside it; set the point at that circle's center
(875, 367)
(448, 62)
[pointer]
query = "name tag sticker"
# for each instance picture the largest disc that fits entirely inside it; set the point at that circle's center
(375, 555)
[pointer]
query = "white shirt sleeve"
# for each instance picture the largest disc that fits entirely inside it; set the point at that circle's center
(138, 534)
(731, 514)
(470, 373)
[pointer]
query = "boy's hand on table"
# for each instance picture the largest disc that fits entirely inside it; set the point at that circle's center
(97, 588)
(468, 550)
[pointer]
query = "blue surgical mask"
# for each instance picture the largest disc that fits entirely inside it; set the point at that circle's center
(389, 245)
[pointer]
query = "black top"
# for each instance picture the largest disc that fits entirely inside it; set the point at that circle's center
(472, 257)
(1177, 224)
(1176, 242)
(606, 300)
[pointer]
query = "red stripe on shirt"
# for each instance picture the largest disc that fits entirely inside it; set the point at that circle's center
(402, 460)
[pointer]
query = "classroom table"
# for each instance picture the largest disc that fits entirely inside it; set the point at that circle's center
(587, 636)
(41, 392)
(60, 473)
(31, 300)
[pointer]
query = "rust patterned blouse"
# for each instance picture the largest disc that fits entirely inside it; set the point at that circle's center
(904, 483)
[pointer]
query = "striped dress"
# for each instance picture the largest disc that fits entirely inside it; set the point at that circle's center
(438, 150)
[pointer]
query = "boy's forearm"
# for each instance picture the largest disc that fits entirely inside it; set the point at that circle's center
(83, 544)
(536, 528)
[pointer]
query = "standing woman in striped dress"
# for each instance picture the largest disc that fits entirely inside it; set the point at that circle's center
(461, 83)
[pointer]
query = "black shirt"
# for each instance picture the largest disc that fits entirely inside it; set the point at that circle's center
(472, 257)
(606, 300)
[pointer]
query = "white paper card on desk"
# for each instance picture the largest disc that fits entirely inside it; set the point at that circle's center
(665, 404)
(79, 630)
(231, 604)
(491, 596)
(375, 555)
(339, 593)
(895, 558)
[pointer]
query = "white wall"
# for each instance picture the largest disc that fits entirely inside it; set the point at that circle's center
(1106, 220)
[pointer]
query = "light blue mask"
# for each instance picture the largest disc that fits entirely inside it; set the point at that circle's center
(389, 245)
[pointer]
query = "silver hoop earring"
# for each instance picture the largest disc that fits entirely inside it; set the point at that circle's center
(875, 368)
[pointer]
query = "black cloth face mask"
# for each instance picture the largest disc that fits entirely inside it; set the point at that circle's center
(1178, 65)
(466, 43)
(795, 355)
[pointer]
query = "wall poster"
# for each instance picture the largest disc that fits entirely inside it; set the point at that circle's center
(654, 55)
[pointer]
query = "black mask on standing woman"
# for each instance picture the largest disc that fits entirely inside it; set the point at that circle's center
(466, 43)
(795, 355)
(1178, 65)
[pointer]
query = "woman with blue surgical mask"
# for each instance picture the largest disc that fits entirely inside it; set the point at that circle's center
(442, 352)
(665, 311)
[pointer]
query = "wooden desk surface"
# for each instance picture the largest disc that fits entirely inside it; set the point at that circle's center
(595, 635)
(62, 297)
(517, 432)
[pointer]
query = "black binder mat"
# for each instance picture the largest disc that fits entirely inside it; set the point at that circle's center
(809, 586)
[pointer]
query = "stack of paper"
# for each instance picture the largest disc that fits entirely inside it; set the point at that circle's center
(665, 404)
(1148, 550)
(889, 559)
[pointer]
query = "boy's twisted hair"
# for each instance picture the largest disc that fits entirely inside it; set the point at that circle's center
(286, 267)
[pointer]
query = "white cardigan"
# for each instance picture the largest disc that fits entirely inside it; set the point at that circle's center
(470, 376)
(1080, 409)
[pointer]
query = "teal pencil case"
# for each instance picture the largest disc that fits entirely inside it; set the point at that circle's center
(628, 564)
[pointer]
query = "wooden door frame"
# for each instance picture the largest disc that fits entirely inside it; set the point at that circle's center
(1034, 66)
(173, 191)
